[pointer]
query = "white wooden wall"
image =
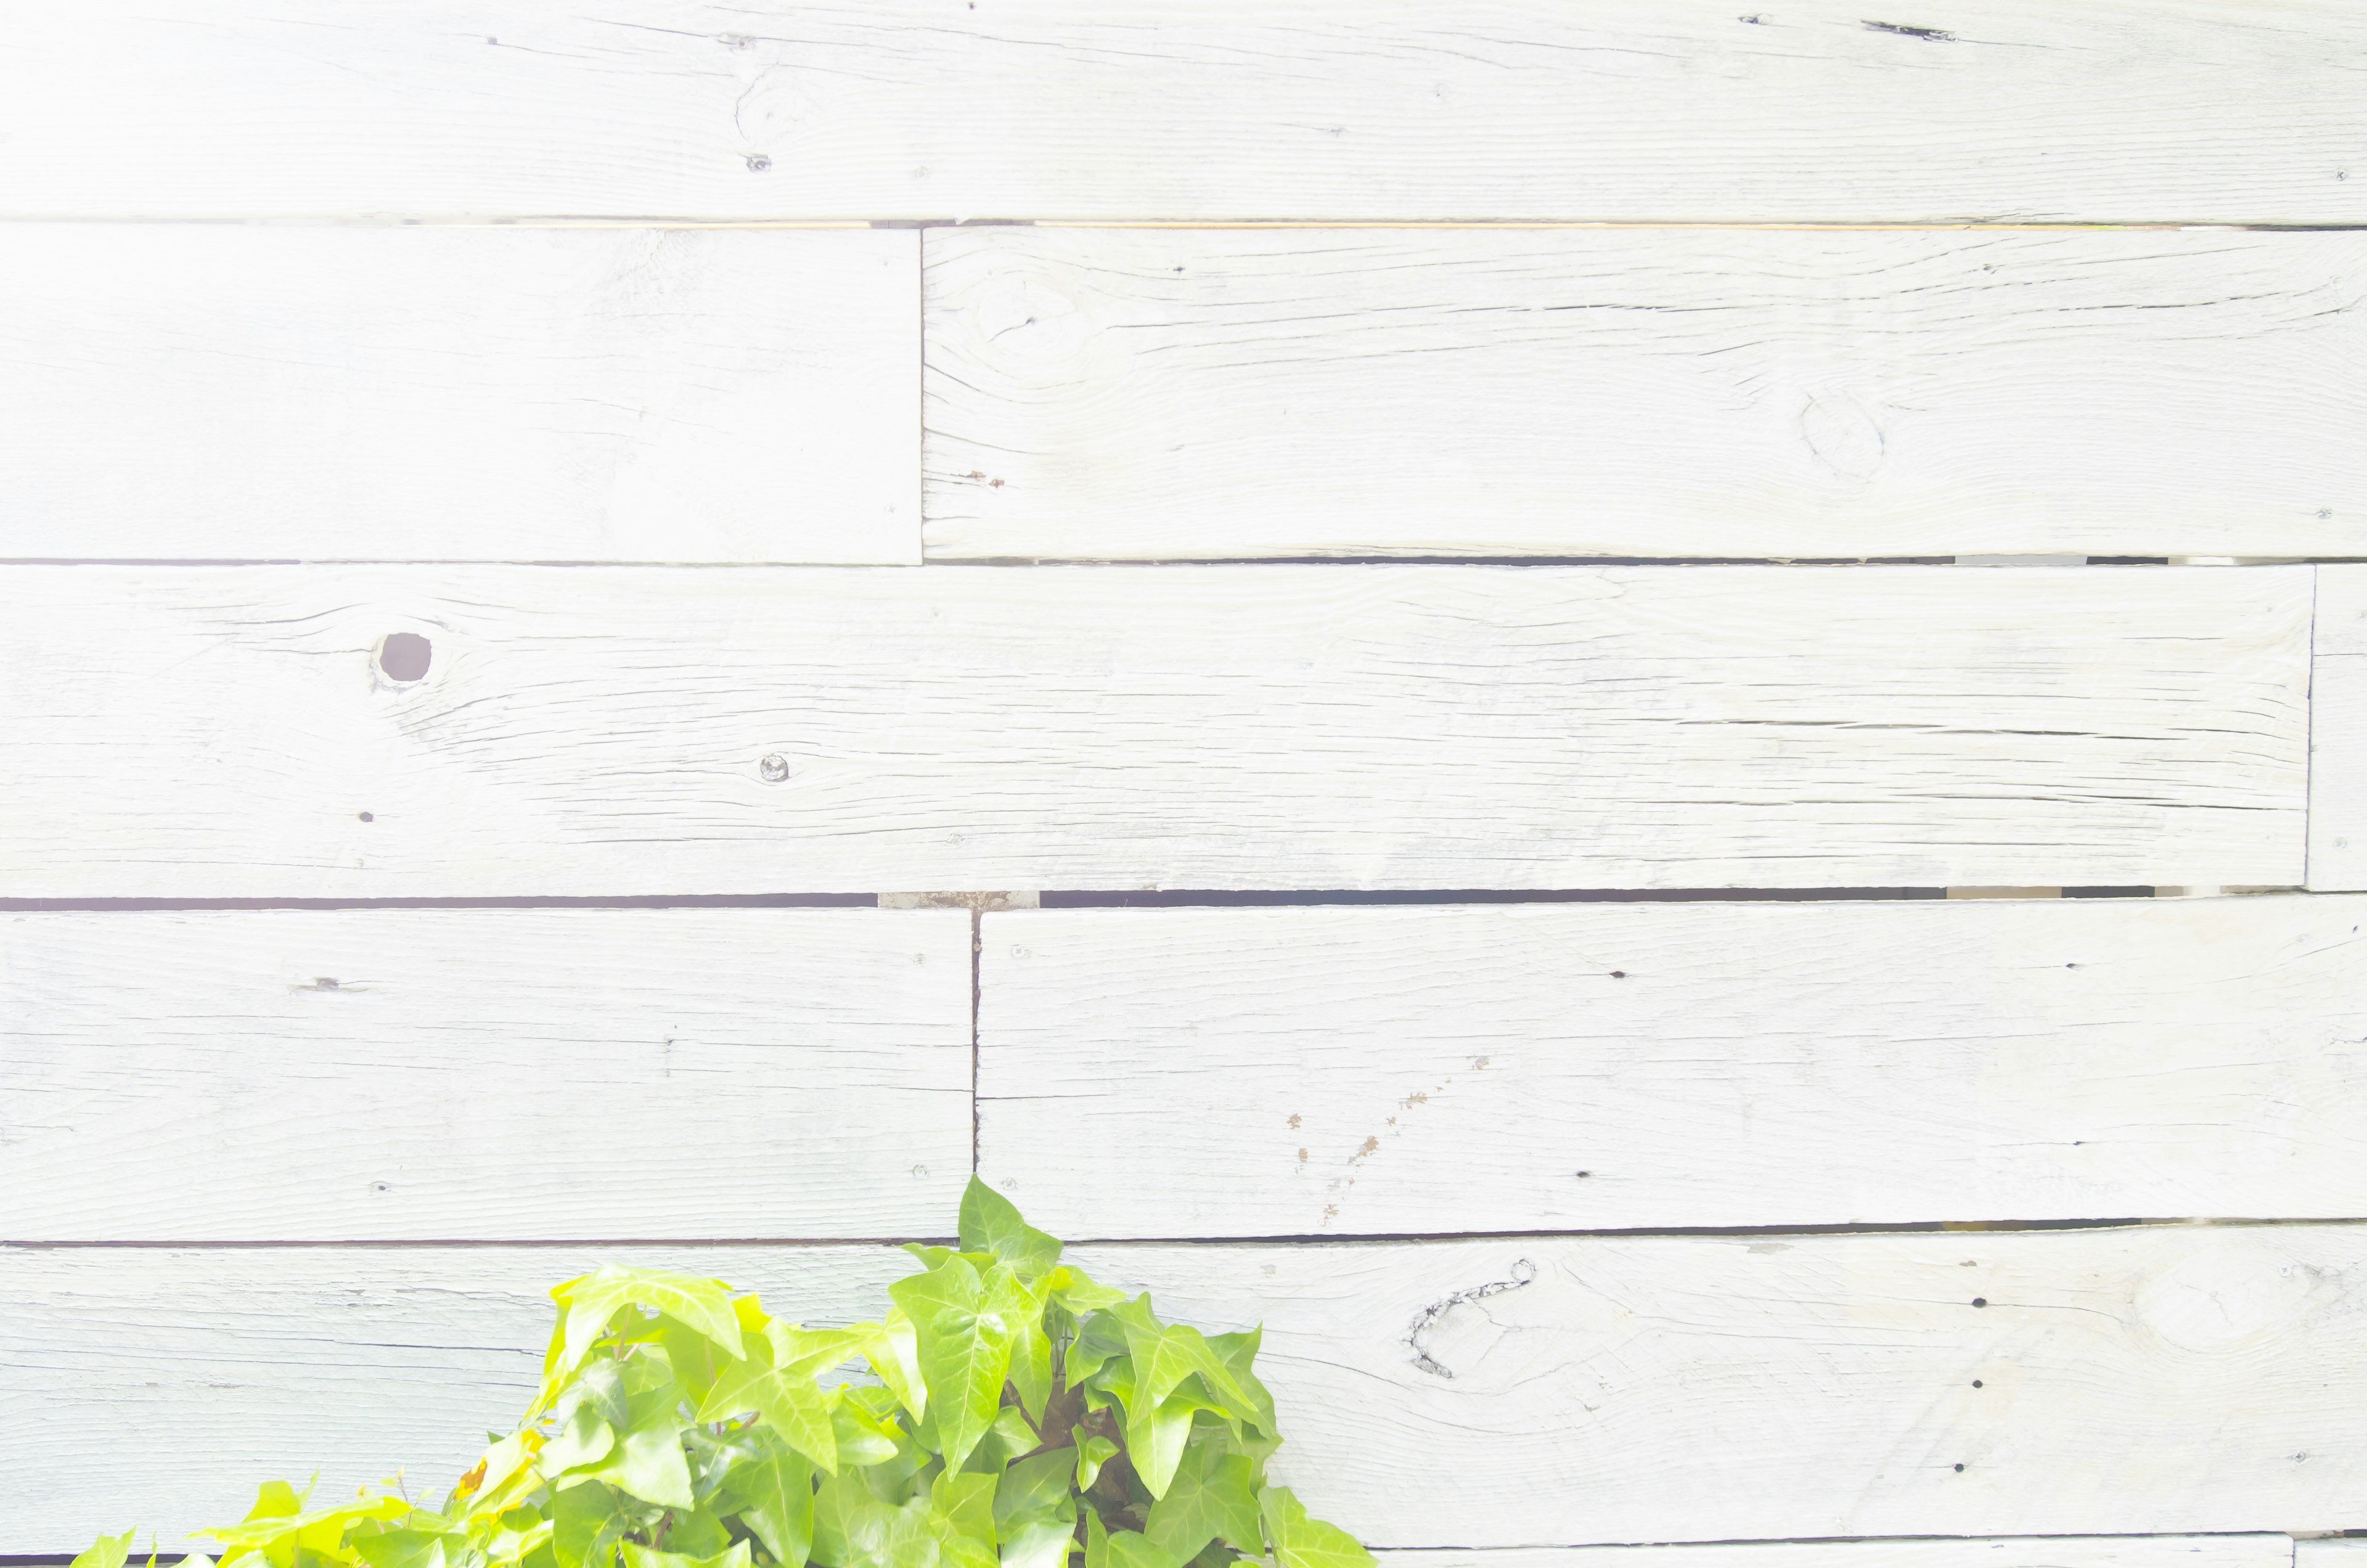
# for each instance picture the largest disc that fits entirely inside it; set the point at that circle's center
(581, 587)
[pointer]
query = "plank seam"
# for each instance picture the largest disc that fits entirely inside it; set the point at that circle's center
(1375, 1238)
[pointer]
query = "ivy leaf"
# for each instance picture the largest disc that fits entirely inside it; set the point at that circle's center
(696, 1534)
(1236, 1351)
(110, 1550)
(965, 1500)
(588, 1521)
(584, 1440)
(1212, 1497)
(603, 1383)
(1033, 1488)
(648, 1460)
(863, 1440)
(1073, 1289)
(400, 1549)
(894, 1352)
(964, 1342)
(1092, 1452)
(1039, 1543)
(774, 1379)
(588, 1302)
(1164, 1356)
(775, 1498)
(639, 1556)
(1299, 1541)
(991, 1224)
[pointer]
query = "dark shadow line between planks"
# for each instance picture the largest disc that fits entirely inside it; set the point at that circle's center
(1089, 899)
(1294, 1239)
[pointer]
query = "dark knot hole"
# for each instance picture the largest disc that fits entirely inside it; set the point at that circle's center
(403, 656)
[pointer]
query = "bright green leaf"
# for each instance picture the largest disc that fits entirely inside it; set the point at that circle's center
(1092, 1452)
(965, 1500)
(111, 1551)
(1213, 1495)
(589, 1301)
(400, 1549)
(584, 1439)
(1299, 1541)
(588, 1521)
(775, 1498)
(894, 1352)
(991, 1224)
(965, 1347)
(695, 1533)
(639, 1556)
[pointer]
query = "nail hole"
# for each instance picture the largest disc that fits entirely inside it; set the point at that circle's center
(1981, 1301)
(1960, 1469)
(1977, 1382)
(1585, 1173)
(367, 816)
(403, 656)
(1619, 973)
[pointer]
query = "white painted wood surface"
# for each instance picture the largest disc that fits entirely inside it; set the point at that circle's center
(1170, 393)
(2117, 111)
(193, 1375)
(486, 1073)
(2166, 1380)
(2337, 777)
(218, 732)
(1384, 1071)
(2046, 1551)
(180, 392)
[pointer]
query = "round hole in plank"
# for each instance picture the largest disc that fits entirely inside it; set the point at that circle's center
(403, 656)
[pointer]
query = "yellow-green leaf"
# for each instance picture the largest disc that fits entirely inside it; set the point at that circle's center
(111, 1551)
(965, 1341)
(1299, 1541)
(991, 1224)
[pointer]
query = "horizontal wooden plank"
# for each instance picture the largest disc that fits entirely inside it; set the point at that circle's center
(177, 392)
(178, 1381)
(2156, 1381)
(1172, 393)
(219, 732)
(2338, 778)
(1384, 1071)
(2041, 1552)
(496, 1074)
(2121, 110)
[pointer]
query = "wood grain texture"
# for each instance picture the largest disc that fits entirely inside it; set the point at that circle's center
(2156, 1381)
(177, 392)
(492, 1074)
(2050, 1551)
(2337, 776)
(193, 1375)
(1209, 393)
(2121, 110)
(222, 732)
(1384, 1071)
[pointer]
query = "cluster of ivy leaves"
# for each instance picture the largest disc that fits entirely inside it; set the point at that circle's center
(1024, 1416)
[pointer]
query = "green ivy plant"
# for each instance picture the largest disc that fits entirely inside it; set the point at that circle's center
(1024, 1415)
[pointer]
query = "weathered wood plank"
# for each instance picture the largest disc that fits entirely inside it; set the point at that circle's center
(1384, 1071)
(241, 731)
(177, 392)
(1692, 1388)
(2337, 776)
(498, 1073)
(1208, 393)
(2121, 111)
(2045, 1552)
